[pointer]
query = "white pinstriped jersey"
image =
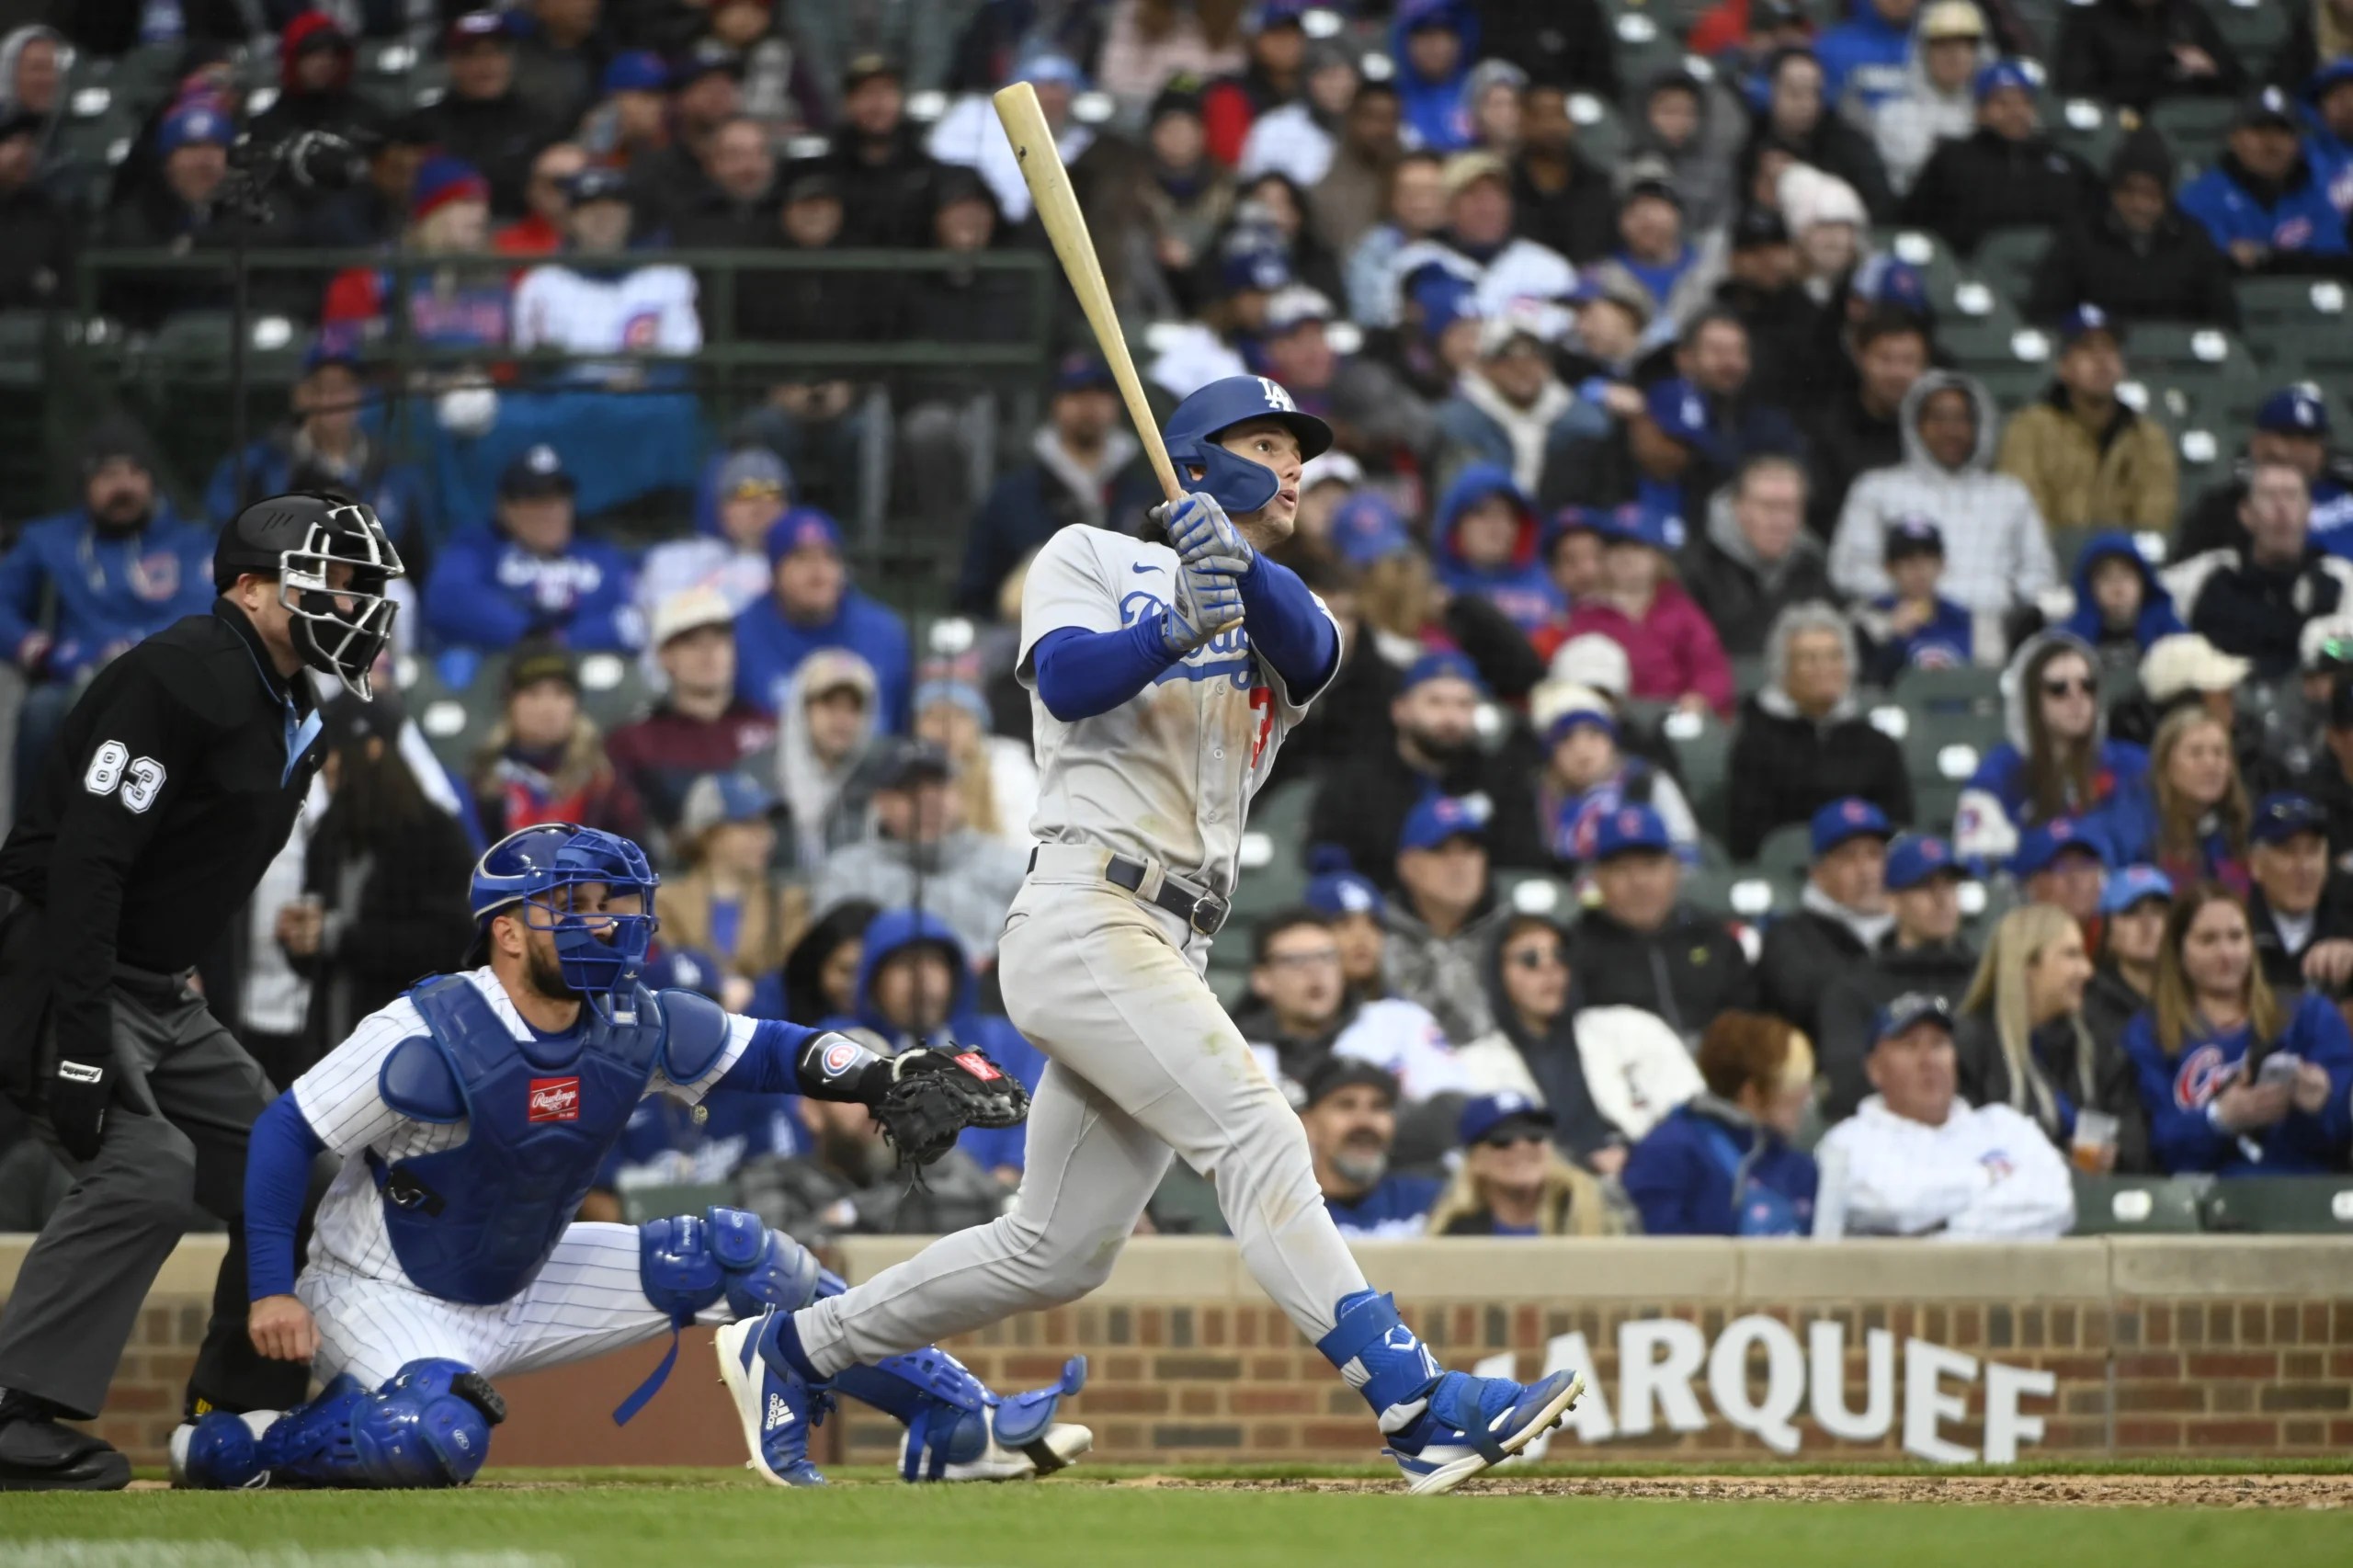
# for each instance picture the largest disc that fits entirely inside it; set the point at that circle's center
(340, 1100)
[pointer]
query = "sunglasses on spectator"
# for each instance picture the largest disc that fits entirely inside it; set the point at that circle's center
(1511, 1140)
(1539, 957)
(2061, 687)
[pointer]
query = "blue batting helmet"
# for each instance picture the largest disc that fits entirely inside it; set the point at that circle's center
(1235, 483)
(599, 954)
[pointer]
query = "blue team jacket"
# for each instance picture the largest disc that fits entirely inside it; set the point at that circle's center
(2178, 1089)
(109, 591)
(1680, 1176)
(2303, 220)
(488, 592)
(768, 648)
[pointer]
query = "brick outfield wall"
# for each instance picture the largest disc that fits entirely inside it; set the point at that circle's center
(2197, 1345)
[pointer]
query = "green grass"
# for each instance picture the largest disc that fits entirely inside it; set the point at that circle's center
(642, 1518)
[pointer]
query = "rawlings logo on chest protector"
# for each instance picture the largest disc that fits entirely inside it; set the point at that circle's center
(555, 1100)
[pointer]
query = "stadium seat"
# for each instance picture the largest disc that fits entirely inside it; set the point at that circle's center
(1704, 751)
(1789, 849)
(2253, 29)
(2109, 1206)
(2087, 127)
(2278, 313)
(2006, 260)
(1973, 690)
(1186, 1204)
(2282, 1204)
(20, 348)
(1601, 134)
(1272, 873)
(640, 1204)
(2194, 128)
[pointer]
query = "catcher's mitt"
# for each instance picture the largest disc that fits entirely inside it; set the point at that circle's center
(935, 1095)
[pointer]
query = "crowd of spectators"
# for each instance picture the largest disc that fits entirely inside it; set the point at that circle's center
(1635, 454)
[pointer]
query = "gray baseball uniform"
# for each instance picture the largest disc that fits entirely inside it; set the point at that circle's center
(1143, 1060)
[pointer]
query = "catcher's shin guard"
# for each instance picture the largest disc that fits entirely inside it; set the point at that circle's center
(688, 1262)
(958, 1428)
(428, 1426)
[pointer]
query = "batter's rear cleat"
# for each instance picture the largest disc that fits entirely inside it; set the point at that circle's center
(40, 1453)
(777, 1407)
(1471, 1425)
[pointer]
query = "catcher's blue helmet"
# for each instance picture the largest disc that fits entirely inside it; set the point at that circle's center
(1235, 483)
(600, 954)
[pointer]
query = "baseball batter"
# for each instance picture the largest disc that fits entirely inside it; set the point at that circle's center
(471, 1115)
(1164, 678)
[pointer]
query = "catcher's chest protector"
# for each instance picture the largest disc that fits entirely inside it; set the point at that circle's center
(475, 1222)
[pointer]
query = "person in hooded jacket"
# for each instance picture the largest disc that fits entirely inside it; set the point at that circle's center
(1922, 951)
(1755, 558)
(1697, 127)
(1724, 1163)
(1484, 542)
(314, 91)
(1642, 945)
(1934, 102)
(2136, 255)
(1802, 741)
(1841, 918)
(2119, 605)
(1997, 548)
(2057, 761)
(2020, 1039)
(1434, 43)
(1673, 650)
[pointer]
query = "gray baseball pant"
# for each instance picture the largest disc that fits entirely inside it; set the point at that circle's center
(1142, 1064)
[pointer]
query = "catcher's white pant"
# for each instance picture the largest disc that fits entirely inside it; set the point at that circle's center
(1142, 1061)
(588, 1300)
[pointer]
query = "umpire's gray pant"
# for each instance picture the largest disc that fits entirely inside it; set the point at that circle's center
(182, 1142)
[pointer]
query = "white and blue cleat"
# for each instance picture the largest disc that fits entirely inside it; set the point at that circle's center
(1471, 1425)
(777, 1408)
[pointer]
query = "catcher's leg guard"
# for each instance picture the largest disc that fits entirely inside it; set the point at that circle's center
(959, 1429)
(428, 1426)
(686, 1263)
(221, 1452)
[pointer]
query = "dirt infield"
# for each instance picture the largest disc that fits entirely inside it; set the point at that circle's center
(2056, 1490)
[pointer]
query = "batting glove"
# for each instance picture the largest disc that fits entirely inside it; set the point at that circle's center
(1204, 535)
(1208, 602)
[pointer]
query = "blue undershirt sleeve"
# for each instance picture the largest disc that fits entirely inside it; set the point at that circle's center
(277, 1177)
(1294, 637)
(1082, 674)
(770, 1064)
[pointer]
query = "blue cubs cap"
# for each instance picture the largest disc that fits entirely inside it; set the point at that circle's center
(2281, 816)
(1485, 1113)
(1367, 529)
(2001, 73)
(1914, 857)
(802, 527)
(2084, 320)
(1342, 893)
(2134, 884)
(1444, 664)
(1634, 524)
(2041, 845)
(1442, 817)
(2269, 106)
(596, 184)
(1082, 371)
(1582, 715)
(1234, 481)
(1885, 281)
(1852, 817)
(1253, 263)
(716, 799)
(1912, 1008)
(1678, 410)
(639, 70)
(197, 124)
(1629, 829)
(2292, 411)
(537, 469)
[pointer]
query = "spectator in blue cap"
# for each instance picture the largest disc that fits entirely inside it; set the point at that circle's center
(1588, 776)
(811, 605)
(2022, 1040)
(2301, 907)
(969, 132)
(1754, 558)
(483, 119)
(2132, 53)
(1433, 747)
(1366, 529)
(1913, 626)
(2263, 203)
(1671, 648)
(2132, 912)
(2007, 174)
(174, 210)
(2136, 255)
(2291, 428)
(2086, 457)
(1842, 914)
(2238, 1081)
(1573, 546)
(1705, 422)
(1442, 913)
(1082, 467)
(1923, 951)
(1642, 945)
(717, 895)
(1722, 1163)
(1350, 904)
(1803, 741)
(327, 444)
(531, 573)
(630, 125)
(1513, 1182)
(2062, 863)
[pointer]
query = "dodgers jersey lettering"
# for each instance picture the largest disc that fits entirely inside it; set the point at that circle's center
(1169, 774)
(340, 1100)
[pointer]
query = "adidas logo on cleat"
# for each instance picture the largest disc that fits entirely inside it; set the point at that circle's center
(780, 1412)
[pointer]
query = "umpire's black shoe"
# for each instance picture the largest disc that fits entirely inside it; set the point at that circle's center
(39, 1453)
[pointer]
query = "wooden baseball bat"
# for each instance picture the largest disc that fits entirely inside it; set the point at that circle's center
(1049, 183)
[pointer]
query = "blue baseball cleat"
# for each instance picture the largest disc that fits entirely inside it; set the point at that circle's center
(777, 1405)
(1471, 1425)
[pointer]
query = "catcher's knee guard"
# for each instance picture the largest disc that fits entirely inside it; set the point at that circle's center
(688, 1262)
(428, 1426)
(222, 1452)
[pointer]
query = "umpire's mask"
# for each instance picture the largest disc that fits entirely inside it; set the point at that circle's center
(305, 540)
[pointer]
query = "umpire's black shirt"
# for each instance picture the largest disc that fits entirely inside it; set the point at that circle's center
(172, 785)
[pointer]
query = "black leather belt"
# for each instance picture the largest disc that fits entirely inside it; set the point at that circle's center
(1204, 913)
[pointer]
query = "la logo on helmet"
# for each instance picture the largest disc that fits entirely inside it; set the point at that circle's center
(1276, 396)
